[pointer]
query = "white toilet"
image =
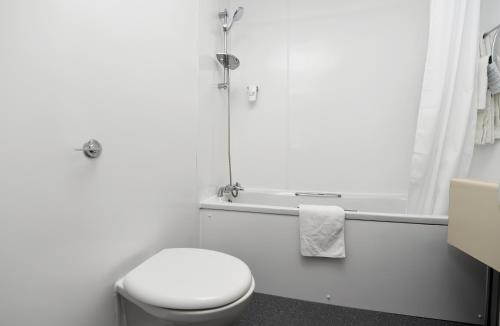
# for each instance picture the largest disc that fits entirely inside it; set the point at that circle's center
(187, 286)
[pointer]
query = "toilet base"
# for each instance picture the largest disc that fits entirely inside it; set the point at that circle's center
(221, 316)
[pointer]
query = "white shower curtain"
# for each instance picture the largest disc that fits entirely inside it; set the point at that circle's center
(444, 139)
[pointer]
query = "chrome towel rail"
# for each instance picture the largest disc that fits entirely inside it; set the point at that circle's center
(319, 194)
(491, 31)
(345, 210)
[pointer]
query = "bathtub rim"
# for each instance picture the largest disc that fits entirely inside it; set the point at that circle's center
(215, 203)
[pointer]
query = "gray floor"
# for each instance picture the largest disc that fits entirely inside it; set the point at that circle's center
(267, 310)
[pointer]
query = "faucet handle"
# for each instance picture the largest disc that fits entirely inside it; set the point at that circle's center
(220, 192)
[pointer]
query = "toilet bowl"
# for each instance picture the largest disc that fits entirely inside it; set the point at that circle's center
(188, 286)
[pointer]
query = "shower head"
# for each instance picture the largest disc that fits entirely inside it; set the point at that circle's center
(228, 60)
(238, 13)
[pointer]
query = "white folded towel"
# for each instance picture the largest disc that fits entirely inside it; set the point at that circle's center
(496, 102)
(480, 98)
(486, 104)
(322, 231)
(494, 78)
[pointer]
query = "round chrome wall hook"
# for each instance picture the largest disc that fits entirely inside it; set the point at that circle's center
(91, 149)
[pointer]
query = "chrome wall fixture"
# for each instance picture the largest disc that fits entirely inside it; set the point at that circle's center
(91, 149)
(229, 62)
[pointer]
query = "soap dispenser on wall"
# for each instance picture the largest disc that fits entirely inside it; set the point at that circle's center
(252, 92)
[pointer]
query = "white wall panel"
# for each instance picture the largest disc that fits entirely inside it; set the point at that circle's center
(340, 83)
(125, 73)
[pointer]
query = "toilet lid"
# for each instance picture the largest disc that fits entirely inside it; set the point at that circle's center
(189, 279)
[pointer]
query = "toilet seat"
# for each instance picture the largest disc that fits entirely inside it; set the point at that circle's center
(189, 279)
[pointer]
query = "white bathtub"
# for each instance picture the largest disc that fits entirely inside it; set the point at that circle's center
(367, 207)
(396, 262)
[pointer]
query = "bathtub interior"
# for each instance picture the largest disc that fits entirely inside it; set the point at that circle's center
(356, 202)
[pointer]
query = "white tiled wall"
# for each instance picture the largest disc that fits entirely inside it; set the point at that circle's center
(340, 85)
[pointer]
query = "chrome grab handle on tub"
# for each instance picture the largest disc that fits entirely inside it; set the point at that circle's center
(319, 194)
